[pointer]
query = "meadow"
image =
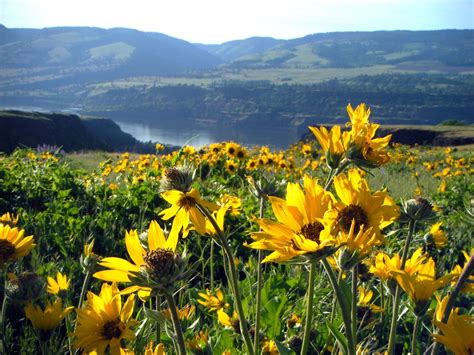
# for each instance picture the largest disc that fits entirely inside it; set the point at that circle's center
(345, 244)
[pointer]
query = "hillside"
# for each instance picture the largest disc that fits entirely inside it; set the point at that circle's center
(57, 56)
(72, 133)
(424, 50)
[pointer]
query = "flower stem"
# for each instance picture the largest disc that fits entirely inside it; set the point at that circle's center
(258, 306)
(309, 308)
(212, 264)
(85, 285)
(158, 328)
(177, 326)
(233, 279)
(2, 325)
(346, 316)
(354, 303)
(414, 341)
(398, 292)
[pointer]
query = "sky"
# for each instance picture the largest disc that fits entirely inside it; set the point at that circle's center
(217, 21)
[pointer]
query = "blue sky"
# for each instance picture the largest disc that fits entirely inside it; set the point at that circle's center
(216, 21)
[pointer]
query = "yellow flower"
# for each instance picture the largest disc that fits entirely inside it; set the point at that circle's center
(104, 322)
(332, 142)
(184, 209)
(355, 246)
(9, 218)
(50, 317)
(384, 266)
(183, 313)
(199, 342)
(58, 286)
(213, 303)
(468, 286)
(231, 149)
(269, 348)
(365, 149)
(442, 186)
(228, 321)
(233, 202)
(365, 296)
(231, 166)
(13, 245)
(374, 210)
(159, 349)
(120, 270)
(438, 235)
(421, 285)
(159, 147)
(300, 228)
(457, 333)
(294, 321)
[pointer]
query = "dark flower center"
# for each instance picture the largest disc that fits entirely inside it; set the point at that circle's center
(187, 202)
(160, 261)
(240, 154)
(350, 213)
(231, 150)
(112, 329)
(7, 249)
(312, 231)
(231, 167)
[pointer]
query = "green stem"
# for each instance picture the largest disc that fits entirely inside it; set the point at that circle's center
(176, 324)
(309, 308)
(354, 304)
(212, 264)
(414, 336)
(398, 291)
(256, 338)
(233, 279)
(345, 311)
(382, 303)
(85, 285)
(158, 328)
(3, 345)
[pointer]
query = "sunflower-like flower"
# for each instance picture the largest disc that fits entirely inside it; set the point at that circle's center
(365, 150)
(49, 318)
(333, 143)
(373, 210)
(422, 284)
(199, 342)
(301, 229)
(13, 245)
(437, 235)
(384, 266)
(456, 333)
(183, 313)
(184, 208)
(213, 302)
(104, 323)
(159, 349)
(156, 267)
(365, 296)
(229, 321)
(58, 286)
(468, 286)
(355, 246)
(9, 218)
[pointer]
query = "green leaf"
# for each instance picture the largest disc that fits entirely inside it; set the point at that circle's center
(341, 339)
(282, 349)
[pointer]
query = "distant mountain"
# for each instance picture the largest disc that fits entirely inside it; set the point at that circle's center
(232, 50)
(75, 54)
(422, 49)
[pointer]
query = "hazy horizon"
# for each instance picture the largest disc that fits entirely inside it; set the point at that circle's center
(214, 22)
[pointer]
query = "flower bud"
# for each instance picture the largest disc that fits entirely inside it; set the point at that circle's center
(417, 209)
(25, 288)
(180, 178)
